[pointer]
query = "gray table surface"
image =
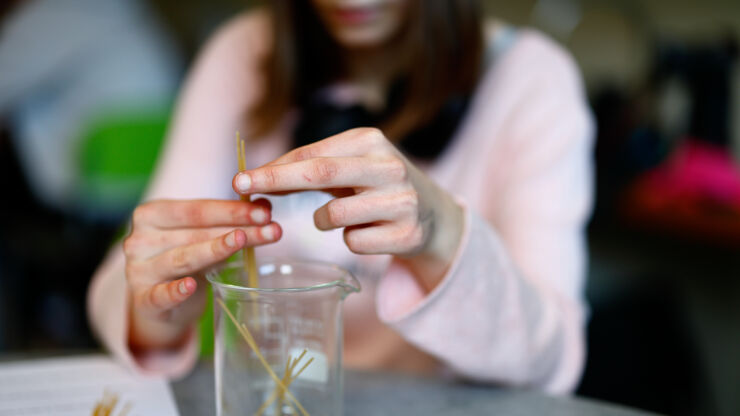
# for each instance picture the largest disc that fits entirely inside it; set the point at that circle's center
(382, 394)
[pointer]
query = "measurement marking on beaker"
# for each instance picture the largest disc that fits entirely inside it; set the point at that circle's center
(305, 326)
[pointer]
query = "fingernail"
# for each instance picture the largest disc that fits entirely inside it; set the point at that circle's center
(243, 182)
(231, 239)
(181, 287)
(267, 232)
(258, 215)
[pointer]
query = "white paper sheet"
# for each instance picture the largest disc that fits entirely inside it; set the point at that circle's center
(72, 387)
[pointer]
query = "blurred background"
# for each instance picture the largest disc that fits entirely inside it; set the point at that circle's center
(87, 86)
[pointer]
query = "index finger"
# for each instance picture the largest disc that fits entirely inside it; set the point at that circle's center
(353, 142)
(201, 213)
(314, 174)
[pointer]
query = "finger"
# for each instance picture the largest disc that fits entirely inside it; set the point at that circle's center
(182, 261)
(166, 214)
(364, 209)
(391, 238)
(353, 142)
(149, 243)
(165, 296)
(320, 173)
(264, 203)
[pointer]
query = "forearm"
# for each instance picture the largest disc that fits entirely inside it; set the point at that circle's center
(499, 326)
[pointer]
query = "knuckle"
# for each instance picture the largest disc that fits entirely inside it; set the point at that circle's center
(372, 135)
(336, 213)
(255, 236)
(325, 171)
(270, 177)
(172, 293)
(359, 242)
(141, 213)
(193, 214)
(238, 212)
(180, 261)
(130, 244)
(304, 153)
(410, 202)
(197, 236)
(397, 169)
(413, 237)
(153, 300)
(353, 242)
(218, 246)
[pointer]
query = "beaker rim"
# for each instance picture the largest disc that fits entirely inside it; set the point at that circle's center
(348, 283)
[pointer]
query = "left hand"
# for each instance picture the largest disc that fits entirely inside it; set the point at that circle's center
(384, 203)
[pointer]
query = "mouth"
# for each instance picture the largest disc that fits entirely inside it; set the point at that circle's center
(355, 15)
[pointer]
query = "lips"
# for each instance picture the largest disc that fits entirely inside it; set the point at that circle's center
(355, 15)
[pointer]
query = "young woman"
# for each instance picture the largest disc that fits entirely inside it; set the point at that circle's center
(460, 202)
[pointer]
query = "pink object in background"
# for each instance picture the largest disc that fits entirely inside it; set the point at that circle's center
(694, 194)
(698, 169)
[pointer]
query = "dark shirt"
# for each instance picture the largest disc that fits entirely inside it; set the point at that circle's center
(320, 118)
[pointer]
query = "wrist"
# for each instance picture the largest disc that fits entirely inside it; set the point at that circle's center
(150, 333)
(431, 264)
(446, 236)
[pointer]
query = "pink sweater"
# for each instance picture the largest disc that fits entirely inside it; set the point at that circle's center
(510, 309)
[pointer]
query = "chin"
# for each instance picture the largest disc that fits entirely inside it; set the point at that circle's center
(361, 37)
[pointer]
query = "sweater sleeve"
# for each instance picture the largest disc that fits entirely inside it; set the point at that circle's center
(510, 308)
(227, 63)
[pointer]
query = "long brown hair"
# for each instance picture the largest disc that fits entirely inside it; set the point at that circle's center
(443, 41)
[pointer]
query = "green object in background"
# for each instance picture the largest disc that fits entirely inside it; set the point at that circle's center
(205, 326)
(124, 147)
(116, 160)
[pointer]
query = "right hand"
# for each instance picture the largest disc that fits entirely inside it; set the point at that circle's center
(170, 244)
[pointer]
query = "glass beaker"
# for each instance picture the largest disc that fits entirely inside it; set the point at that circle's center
(278, 347)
